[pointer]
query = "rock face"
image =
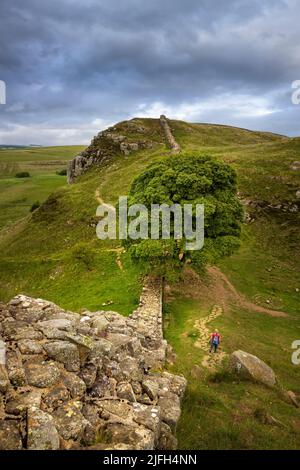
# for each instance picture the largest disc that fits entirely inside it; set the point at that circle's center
(122, 139)
(108, 143)
(72, 378)
(251, 367)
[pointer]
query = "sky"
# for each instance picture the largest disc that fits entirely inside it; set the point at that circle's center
(72, 68)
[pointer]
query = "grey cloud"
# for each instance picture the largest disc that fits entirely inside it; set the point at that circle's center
(67, 63)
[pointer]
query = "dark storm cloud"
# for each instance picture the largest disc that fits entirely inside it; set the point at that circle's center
(72, 67)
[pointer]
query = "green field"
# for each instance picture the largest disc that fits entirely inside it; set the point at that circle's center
(18, 194)
(54, 253)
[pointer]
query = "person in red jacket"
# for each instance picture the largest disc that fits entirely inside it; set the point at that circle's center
(215, 340)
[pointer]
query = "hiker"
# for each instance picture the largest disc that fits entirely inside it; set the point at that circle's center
(215, 340)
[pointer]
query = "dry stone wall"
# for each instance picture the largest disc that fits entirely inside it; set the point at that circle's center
(170, 139)
(90, 380)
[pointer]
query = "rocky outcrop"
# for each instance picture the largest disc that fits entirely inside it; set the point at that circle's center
(292, 206)
(251, 367)
(170, 139)
(90, 380)
(122, 139)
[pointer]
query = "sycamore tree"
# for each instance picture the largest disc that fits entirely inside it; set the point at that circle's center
(181, 180)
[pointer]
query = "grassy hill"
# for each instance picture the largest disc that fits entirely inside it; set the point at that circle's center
(18, 194)
(54, 253)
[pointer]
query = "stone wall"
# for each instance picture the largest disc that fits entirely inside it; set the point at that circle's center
(170, 139)
(89, 380)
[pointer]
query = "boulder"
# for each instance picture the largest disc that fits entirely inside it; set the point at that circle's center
(42, 433)
(250, 367)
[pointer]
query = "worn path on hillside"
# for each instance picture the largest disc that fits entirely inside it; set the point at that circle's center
(118, 250)
(218, 276)
(210, 360)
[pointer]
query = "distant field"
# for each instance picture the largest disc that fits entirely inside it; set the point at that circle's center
(18, 194)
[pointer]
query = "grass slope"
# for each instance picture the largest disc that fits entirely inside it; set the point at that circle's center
(18, 194)
(54, 253)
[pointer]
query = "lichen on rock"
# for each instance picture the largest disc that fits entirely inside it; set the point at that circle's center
(61, 389)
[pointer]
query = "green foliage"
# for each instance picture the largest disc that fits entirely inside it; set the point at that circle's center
(193, 179)
(22, 174)
(18, 194)
(81, 253)
(62, 172)
(34, 206)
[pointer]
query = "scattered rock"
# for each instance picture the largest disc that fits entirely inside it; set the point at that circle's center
(295, 166)
(292, 397)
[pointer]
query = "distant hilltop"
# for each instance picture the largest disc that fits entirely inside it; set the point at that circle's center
(16, 147)
(123, 138)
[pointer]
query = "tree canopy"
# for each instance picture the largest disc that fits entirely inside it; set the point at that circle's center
(189, 179)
